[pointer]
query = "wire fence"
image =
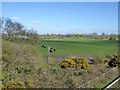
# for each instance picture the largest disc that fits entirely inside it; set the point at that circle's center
(101, 78)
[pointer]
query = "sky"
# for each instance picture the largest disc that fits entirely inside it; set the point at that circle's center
(64, 17)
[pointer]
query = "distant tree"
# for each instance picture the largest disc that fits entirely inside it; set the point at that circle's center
(33, 36)
(18, 28)
(103, 34)
(94, 34)
(9, 27)
(1, 22)
(1, 25)
(113, 37)
(23, 32)
(53, 36)
(17, 31)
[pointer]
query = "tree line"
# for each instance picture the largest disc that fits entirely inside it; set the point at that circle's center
(15, 31)
(90, 36)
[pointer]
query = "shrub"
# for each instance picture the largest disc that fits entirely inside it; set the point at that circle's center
(69, 83)
(77, 73)
(7, 49)
(82, 63)
(114, 62)
(99, 59)
(76, 63)
(68, 63)
(17, 62)
(17, 83)
(52, 69)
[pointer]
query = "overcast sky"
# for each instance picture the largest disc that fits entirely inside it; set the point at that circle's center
(64, 17)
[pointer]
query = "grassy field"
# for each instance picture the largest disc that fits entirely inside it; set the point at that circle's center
(80, 46)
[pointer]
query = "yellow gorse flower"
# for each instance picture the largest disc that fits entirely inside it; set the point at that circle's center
(76, 63)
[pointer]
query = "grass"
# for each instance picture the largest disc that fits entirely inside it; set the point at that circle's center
(103, 84)
(80, 46)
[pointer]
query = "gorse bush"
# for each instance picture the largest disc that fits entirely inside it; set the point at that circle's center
(76, 63)
(68, 63)
(82, 63)
(115, 61)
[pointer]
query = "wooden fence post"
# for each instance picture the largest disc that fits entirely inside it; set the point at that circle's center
(48, 55)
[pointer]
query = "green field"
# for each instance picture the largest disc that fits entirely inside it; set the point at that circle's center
(80, 46)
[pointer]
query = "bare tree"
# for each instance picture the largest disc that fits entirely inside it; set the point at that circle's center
(33, 36)
(1, 25)
(18, 28)
(9, 26)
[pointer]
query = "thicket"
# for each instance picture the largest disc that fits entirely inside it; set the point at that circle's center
(16, 32)
(17, 63)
